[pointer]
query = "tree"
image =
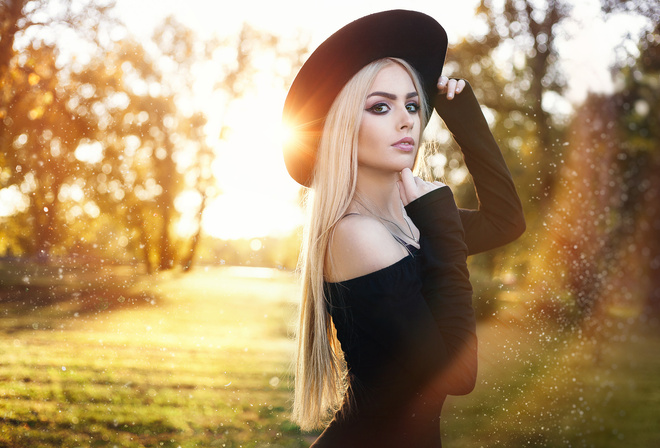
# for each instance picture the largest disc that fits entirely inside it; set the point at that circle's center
(20, 17)
(38, 132)
(513, 67)
(607, 217)
(604, 245)
(42, 134)
(100, 148)
(241, 67)
(640, 128)
(142, 131)
(522, 35)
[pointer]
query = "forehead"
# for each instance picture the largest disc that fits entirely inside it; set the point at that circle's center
(393, 78)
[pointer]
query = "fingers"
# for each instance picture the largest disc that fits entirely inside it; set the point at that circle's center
(442, 84)
(402, 193)
(411, 187)
(455, 87)
(451, 87)
(408, 186)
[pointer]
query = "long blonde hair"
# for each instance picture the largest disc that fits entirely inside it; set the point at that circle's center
(320, 381)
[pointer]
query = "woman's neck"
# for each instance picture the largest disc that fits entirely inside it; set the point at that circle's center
(379, 194)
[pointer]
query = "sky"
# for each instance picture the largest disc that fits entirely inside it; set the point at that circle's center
(259, 198)
(321, 18)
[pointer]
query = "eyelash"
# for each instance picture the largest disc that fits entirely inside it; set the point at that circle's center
(414, 105)
(415, 108)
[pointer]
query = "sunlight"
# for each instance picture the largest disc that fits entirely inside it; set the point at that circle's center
(90, 152)
(257, 198)
(283, 133)
(256, 193)
(250, 215)
(12, 201)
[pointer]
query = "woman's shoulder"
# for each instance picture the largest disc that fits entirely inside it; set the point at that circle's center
(360, 245)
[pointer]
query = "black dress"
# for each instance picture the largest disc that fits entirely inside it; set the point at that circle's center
(408, 331)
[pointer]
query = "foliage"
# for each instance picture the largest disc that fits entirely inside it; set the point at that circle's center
(39, 132)
(62, 134)
(513, 66)
(95, 152)
(603, 246)
(586, 180)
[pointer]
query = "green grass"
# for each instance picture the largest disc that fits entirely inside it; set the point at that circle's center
(203, 360)
(189, 360)
(541, 387)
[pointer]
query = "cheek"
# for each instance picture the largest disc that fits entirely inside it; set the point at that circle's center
(365, 133)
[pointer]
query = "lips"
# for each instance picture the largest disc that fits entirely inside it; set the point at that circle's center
(405, 144)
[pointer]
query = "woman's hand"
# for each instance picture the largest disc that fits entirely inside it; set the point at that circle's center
(450, 86)
(411, 187)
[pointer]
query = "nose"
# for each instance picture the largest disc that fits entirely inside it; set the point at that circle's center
(406, 119)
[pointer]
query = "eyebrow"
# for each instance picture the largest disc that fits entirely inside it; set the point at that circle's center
(391, 96)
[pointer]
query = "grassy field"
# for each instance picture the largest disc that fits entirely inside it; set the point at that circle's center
(193, 361)
(547, 389)
(203, 360)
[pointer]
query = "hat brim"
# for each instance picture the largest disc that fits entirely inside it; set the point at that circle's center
(409, 35)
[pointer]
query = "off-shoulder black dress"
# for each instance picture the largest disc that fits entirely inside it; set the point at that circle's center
(408, 331)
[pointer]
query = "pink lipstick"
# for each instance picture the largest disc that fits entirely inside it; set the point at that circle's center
(405, 144)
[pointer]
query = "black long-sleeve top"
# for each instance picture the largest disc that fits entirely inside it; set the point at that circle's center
(499, 218)
(408, 331)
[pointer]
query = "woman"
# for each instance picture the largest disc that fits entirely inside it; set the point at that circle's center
(387, 328)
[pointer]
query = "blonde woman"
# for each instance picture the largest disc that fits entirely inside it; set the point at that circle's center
(387, 328)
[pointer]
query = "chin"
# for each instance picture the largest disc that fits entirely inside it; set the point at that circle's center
(410, 165)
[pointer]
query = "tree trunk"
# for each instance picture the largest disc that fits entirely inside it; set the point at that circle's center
(166, 258)
(652, 210)
(165, 171)
(13, 11)
(186, 262)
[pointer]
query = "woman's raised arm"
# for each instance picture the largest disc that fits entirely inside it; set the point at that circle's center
(499, 218)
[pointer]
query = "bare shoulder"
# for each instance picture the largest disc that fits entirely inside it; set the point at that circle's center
(360, 245)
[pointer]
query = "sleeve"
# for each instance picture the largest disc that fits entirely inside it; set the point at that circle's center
(499, 218)
(446, 286)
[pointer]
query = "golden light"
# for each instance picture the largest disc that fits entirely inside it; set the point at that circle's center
(250, 216)
(258, 197)
(284, 133)
(12, 201)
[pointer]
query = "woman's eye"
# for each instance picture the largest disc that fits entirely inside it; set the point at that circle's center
(412, 107)
(379, 108)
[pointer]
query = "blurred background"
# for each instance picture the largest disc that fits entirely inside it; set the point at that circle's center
(149, 232)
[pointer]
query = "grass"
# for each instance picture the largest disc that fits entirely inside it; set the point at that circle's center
(196, 360)
(544, 388)
(203, 360)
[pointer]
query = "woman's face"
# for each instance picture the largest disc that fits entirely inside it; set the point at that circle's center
(389, 132)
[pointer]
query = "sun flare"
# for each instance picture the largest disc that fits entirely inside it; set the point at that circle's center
(257, 198)
(256, 195)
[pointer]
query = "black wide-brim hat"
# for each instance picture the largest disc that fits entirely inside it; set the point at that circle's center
(409, 35)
